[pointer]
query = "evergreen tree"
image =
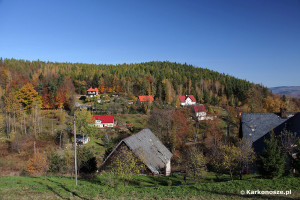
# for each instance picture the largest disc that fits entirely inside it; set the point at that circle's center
(296, 159)
(206, 97)
(271, 162)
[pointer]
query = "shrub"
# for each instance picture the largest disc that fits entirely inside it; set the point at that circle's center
(56, 162)
(86, 159)
(37, 165)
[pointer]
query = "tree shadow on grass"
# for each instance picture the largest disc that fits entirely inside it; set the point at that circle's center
(52, 190)
(99, 144)
(63, 187)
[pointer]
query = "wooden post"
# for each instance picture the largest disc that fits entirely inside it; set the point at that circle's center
(34, 148)
(75, 150)
(60, 139)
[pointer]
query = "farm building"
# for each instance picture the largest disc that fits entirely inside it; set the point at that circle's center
(148, 149)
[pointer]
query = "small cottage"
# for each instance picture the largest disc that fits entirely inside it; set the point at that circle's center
(149, 150)
(104, 121)
(92, 92)
(200, 112)
(187, 100)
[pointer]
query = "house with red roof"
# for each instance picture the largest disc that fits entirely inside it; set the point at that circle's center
(104, 121)
(92, 92)
(187, 100)
(200, 111)
(146, 98)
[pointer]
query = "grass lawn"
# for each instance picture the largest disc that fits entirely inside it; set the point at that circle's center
(138, 120)
(143, 187)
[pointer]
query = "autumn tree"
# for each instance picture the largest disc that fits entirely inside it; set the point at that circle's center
(180, 129)
(246, 155)
(83, 122)
(37, 165)
(126, 164)
(195, 163)
(160, 122)
(27, 95)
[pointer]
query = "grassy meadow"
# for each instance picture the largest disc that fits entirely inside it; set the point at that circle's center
(107, 186)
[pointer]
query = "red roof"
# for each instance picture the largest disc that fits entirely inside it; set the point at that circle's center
(199, 108)
(183, 98)
(105, 119)
(146, 98)
(92, 90)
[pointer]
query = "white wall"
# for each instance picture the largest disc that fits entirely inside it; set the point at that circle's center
(168, 168)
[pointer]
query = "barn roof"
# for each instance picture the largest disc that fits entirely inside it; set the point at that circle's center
(149, 149)
(183, 98)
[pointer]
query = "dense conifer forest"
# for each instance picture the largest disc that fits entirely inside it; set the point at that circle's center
(164, 80)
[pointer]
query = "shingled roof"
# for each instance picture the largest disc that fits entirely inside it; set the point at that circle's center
(256, 126)
(154, 154)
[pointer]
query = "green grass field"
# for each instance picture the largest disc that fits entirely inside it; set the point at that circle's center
(143, 187)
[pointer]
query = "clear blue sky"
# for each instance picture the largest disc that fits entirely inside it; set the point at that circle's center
(257, 40)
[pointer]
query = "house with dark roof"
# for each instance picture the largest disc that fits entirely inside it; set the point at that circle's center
(146, 98)
(148, 149)
(187, 100)
(91, 92)
(257, 126)
(103, 121)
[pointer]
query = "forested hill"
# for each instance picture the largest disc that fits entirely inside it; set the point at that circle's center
(164, 80)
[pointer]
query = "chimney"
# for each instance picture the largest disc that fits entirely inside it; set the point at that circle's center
(283, 113)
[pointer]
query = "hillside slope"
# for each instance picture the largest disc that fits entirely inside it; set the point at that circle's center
(293, 91)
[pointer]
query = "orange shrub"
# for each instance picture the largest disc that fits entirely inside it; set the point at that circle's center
(37, 165)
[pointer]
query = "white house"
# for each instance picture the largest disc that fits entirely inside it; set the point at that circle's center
(187, 100)
(104, 121)
(201, 113)
(92, 92)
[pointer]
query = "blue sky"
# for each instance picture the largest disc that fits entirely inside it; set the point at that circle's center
(257, 40)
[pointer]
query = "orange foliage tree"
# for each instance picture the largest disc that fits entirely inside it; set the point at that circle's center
(37, 165)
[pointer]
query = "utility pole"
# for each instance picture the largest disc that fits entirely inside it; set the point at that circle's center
(75, 150)
(34, 148)
(60, 139)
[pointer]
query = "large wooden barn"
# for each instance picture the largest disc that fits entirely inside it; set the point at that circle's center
(150, 151)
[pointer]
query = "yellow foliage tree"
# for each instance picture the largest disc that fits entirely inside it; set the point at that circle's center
(273, 104)
(126, 164)
(27, 95)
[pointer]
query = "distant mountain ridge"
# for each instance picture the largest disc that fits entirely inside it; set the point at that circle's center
(293, 91)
